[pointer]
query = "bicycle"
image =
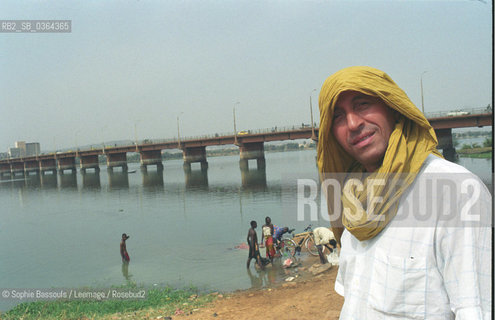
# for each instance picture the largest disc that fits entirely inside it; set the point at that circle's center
(287, 245)
(307, 239)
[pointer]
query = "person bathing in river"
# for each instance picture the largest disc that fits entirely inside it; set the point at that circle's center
(252, 240)
(123, 249)
(267, 230)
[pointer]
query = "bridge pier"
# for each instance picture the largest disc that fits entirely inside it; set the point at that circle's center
(152, 179)
(150, 158)
(196, 179)
(118, 180)
(5, 171)
(68, 181)
(252, 150)
(67, 163)
(47, 165)
(253, 179)
(194, 154)
(445, 143)
(91, 180)
(31, 166)
(17, 168)
(117, 160)
(89, 162)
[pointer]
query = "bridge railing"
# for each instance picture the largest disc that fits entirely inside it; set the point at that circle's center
(458, 112)
(254, 131)
(129, 143)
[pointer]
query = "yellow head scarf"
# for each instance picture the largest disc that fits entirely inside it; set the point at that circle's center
(412, 140)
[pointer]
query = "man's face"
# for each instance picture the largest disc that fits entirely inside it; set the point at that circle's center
(362, 126)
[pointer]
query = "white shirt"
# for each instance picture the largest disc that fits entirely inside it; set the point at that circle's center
(439, 271)
(323, 235)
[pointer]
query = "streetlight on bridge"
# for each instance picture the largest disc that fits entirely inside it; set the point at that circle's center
(422, 100)
(135, 134)
(75, 138)
(313, 136)
(235, 129)
(178, 130)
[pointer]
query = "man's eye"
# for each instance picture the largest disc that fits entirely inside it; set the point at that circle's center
(362, 105)
(337, 116)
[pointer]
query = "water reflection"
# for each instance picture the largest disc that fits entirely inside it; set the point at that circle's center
(152, 178)
(196, 178)
(18, 182)
(33, 181)
(91, 180)
(253, 179)
(68, 181)
(118, 180)
(256, 279)
(125, 271)
(48, 181)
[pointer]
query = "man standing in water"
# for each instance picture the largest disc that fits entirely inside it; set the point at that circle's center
(414, 229)
(123, 249)
(252, 240)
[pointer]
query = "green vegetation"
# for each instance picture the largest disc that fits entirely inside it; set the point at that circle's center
(165, 302)
(481, 153)
(476, 151)
(471, 134)
(488, 142)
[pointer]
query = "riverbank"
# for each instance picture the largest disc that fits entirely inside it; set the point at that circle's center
(308, 295)
(481, 153)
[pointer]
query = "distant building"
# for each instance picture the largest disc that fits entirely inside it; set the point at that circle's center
(4, 155)
(23, 149)
(14, 152)
(20, 144)
(32, 149)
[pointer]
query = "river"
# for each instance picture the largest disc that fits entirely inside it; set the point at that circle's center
(65, 231)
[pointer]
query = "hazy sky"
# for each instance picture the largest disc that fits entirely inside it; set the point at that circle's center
(141, 64)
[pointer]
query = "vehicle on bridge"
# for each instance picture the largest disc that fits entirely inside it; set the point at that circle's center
(457, 113)
(242, 133)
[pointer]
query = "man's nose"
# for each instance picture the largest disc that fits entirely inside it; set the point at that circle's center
(354, 121)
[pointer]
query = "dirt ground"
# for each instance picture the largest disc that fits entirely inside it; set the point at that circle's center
(306, 297)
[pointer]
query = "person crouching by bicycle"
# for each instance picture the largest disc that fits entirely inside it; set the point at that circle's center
(278, 232)
(267, 231)
(324, 237)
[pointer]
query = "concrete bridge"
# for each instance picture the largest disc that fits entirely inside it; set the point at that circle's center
(250, 143)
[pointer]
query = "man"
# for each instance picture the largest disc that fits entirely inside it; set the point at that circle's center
(123, 249)
(391, 265)
(252, 240)
(324, 237)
